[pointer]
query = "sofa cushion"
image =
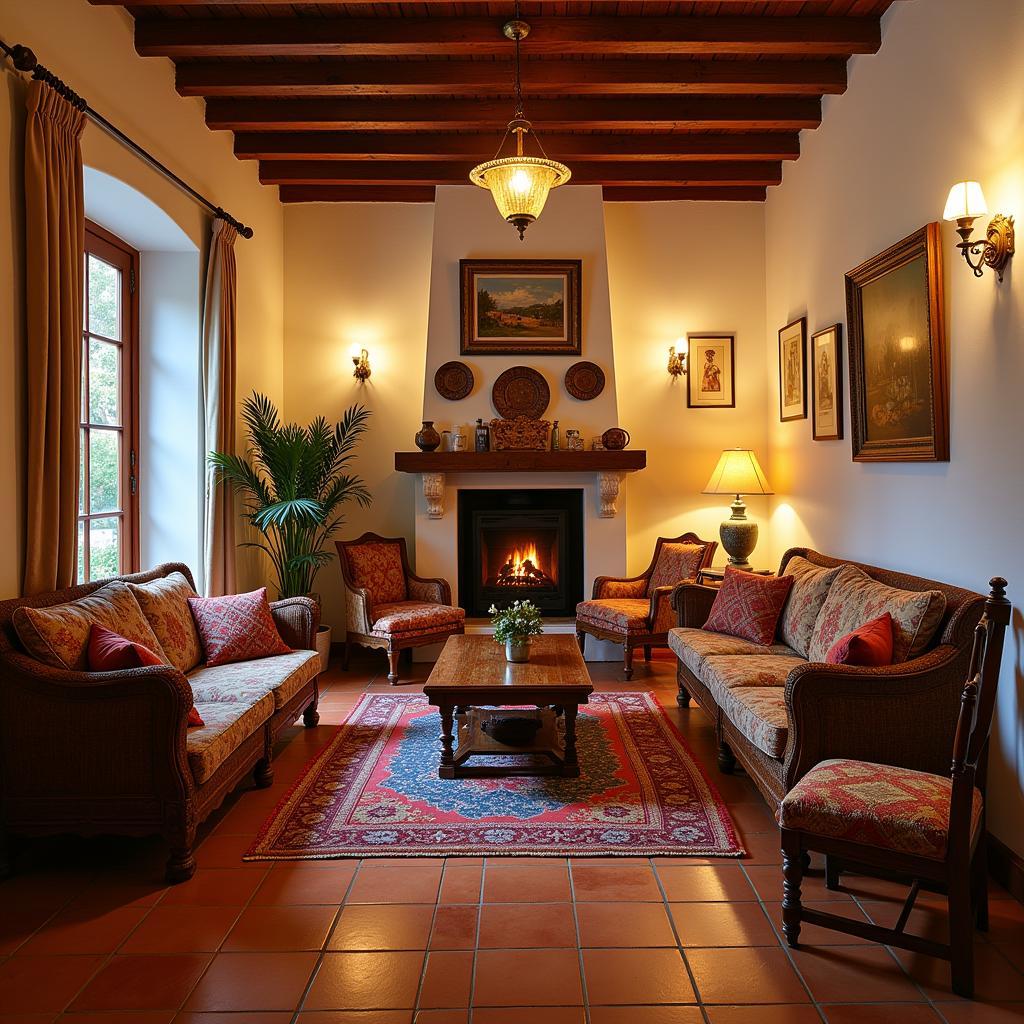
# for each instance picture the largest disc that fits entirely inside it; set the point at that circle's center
(623, 615)
(875, 804)
(377, 567)
(870, 644)
(58, 636)
(164, 602)
(414, 617)
(239, 627)
(748, 605)
(676, 562)
(855, 599)
(228, 725)
(282, 676)
(723, 672)
(759, 713)
(811, 585)
(692, 646)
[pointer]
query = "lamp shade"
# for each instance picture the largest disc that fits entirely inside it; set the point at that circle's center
(965, 202)
(520, 185)
(738, 472)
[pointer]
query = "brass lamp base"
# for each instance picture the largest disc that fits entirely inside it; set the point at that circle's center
(738, 535)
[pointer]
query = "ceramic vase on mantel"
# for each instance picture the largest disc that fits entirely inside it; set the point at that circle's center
(517, 650)
(427, 438)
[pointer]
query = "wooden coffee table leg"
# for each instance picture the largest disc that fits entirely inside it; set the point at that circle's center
(447, 769)
(571, 765)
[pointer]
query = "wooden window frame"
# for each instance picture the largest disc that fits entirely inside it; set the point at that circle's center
(115, 251)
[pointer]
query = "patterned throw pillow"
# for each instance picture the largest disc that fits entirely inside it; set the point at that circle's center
(676, 562)
(749, 606)
(237, 628)
(111, 652)
(855, 599)
(377, 566)
(58, 636)
(871, 644)
(164, 602)
(811, 585)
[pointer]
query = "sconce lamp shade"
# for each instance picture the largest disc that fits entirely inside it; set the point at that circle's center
(738, 472)
(966, 201)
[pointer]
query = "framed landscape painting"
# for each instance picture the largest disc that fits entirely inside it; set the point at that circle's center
(826, 384)
(899, 384)
(520, 307)
(710, 377)
(793, 371)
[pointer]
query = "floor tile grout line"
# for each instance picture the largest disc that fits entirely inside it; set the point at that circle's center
(427, 950)
(476, 940)
(579, 944)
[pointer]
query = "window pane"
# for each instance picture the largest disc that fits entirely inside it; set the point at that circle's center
(84, 396)
(104, 547)
(104, 472)
(82, 455)
(104, 383)
(81, 552)
(104, 298)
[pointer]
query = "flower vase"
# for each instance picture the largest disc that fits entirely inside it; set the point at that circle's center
(517, 649)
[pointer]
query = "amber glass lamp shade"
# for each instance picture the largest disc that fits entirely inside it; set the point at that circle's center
(520, 185)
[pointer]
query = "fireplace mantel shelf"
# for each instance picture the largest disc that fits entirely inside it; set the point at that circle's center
(608, 465)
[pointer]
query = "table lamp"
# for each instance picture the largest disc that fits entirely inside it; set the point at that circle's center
(739, 473)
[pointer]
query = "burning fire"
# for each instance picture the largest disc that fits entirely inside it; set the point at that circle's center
(522, 568)
(520, 557)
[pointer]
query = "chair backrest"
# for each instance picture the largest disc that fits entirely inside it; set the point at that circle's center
(377, 564)
(678, 558)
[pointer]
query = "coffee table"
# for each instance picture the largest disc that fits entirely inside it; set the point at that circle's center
(472, 676)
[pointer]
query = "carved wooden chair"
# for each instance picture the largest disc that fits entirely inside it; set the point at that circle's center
(926, 830)
(637, 611)
(389, 607)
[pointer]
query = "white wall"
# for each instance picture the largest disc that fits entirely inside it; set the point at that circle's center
(930, 108)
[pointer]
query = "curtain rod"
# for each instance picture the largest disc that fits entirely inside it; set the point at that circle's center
(25, 60)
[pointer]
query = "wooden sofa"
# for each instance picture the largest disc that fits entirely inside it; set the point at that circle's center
(902, 715)
(94, 753)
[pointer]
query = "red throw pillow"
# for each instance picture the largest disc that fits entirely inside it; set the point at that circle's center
(237, 628)
(749, 606)
(870, 644)
(110, 652)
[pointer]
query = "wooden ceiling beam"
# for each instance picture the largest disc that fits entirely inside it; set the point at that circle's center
(356, 4)
(254, 37)
(469, 78)
(723, 194)
(333, 172)
(382, 146)
(672, 114)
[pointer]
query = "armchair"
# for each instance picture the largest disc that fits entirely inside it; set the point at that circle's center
(389, 607)
(637, 611)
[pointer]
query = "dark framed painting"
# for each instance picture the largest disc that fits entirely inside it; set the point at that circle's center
(793, 371)
(711, 371)
(826, 384)
(520, 307)
(899, 382)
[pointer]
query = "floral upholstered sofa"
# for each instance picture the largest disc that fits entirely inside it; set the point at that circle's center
(112, 752)
(779, 710)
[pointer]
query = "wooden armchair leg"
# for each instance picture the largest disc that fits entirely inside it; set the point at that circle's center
(832, 873)
(393, 666)
(792, 875)
(181, 864)
(726, 760)
(581, 639)
(647, 652)
(627, 661)
(346, 653)
(979, 894)
(683, 697)
(961, 936)
(263, 773)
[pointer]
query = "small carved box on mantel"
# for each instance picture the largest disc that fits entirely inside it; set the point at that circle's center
(519, 434)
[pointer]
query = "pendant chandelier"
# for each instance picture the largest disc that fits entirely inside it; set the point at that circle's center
(519, 184)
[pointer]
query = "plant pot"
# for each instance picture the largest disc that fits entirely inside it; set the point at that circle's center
(517, 649)
(323, 645)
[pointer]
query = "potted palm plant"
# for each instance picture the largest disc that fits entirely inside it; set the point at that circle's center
(294, 480)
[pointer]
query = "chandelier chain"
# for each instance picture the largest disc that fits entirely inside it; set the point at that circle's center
(519, 83)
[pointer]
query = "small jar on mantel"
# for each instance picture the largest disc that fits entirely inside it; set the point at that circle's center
(427, 438)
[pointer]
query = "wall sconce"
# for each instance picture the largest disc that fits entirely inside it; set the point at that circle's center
(966, 203)
(361, 362)
(676, 361)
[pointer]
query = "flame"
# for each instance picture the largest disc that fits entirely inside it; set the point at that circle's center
(521, 555)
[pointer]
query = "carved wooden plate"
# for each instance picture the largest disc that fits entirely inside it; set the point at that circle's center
(521, 391)
(584, 381)
(454, 380)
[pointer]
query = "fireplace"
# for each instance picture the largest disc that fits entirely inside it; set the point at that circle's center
(521, 545)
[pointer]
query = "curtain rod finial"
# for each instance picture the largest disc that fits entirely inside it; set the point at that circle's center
(24, 59)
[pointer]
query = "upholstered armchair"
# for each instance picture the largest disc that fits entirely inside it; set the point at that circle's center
(389, 607)
(637, 612)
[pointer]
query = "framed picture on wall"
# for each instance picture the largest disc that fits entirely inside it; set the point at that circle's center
(793, 371)
(899, 383)
(520, 307)
(711, 373)
(826, 384)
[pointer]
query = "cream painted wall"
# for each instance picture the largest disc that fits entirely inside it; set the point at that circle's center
(917, 117)
(359, 274)
(92, 49)
(676, 268)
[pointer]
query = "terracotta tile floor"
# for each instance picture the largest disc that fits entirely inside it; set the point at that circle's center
(90, 934)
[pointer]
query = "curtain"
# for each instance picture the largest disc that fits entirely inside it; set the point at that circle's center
(219, 406)
(54, 258)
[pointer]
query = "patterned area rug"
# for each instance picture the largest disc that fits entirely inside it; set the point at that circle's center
(374, 791)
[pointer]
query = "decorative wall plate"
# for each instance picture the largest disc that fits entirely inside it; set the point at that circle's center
(584, 381)
(520, 391)
(454, 380)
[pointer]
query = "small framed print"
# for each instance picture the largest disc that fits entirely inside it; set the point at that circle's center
(793, 371)
(711, 368)
(826, 384)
